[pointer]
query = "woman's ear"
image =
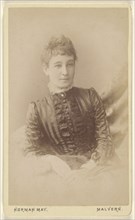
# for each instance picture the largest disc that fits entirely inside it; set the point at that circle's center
(45, 69)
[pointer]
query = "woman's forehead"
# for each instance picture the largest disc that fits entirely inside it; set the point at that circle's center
(61, 58)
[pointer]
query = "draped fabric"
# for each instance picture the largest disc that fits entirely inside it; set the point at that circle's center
(117, 101)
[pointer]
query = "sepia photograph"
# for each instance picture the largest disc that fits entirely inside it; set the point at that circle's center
(68, 107)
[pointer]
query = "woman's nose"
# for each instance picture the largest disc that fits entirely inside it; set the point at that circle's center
(64, 70)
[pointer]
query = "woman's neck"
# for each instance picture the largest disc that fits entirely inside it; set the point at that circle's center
(54, 89)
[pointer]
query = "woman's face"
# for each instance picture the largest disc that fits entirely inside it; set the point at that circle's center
(61, 70)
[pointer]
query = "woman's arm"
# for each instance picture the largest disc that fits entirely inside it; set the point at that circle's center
(35, 138)
(36, 144)
(104, 148)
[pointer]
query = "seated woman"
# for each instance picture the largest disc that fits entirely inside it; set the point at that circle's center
(68, 155)
(68, 129)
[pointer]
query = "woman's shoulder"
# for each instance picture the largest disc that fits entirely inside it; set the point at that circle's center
(38, 104)
(90, 90)
(88, 94)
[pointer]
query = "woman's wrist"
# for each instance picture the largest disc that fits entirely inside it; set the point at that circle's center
(89, 165)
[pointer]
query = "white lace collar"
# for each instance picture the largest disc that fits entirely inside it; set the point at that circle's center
(53, 90)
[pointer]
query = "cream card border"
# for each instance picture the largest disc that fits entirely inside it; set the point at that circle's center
(61, 212)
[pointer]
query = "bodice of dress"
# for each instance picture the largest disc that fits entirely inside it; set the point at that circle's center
(73, 125)
(72, 122)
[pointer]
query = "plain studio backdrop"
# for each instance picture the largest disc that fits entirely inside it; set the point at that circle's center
(100, 36)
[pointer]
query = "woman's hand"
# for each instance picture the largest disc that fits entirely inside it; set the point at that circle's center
(89, 165)
(80, 175)
(58, 166)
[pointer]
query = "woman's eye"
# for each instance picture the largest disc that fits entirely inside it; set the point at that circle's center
(58, 66)
(71, 64)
